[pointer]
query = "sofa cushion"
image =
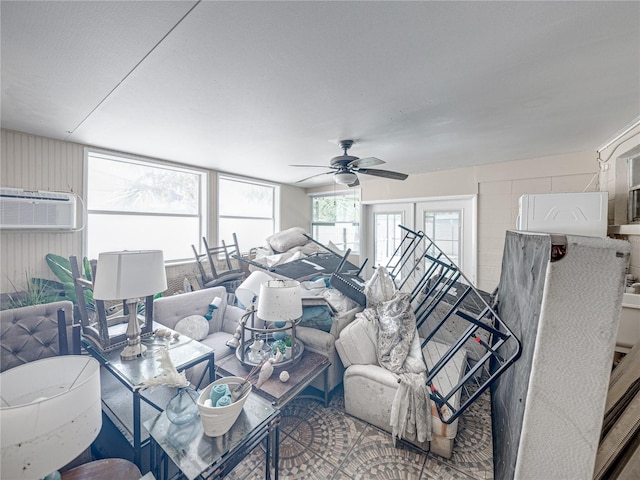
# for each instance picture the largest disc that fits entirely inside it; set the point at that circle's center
(170, 310)
(357, 343)
(193, 326)
(218, 343)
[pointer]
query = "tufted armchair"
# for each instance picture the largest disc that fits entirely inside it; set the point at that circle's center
(35, 332)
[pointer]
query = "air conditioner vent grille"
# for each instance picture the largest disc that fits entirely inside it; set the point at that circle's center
(21, 209)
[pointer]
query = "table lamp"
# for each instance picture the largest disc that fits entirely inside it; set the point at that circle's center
(250, 287)
(129, 275)
(50, 413)
(280, 301)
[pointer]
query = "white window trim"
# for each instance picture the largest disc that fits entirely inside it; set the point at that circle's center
(339, 193)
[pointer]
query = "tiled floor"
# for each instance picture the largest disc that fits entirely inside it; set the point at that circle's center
(328, 444)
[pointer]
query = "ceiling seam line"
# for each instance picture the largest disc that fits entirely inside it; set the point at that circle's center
(71, 132)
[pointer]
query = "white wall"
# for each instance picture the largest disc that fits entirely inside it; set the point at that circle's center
(498, 186)
(39, 163)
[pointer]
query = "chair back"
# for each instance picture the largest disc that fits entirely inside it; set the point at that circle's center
(37, 331)
(224, 267)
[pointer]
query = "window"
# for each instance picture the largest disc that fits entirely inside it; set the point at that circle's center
(443, 227)
(336, 218)
(133, 203)
(247, 209)
(387, 237)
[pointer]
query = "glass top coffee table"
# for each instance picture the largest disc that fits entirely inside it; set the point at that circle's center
(305, 371)
(200, 456)
(126, 406)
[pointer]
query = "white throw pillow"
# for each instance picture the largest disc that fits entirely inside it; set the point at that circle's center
(193, 326)
(287, 239)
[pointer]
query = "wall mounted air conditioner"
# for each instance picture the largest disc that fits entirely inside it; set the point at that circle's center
(37, 210)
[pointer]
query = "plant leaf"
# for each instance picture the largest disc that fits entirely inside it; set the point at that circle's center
(87, 268)
(60, 266)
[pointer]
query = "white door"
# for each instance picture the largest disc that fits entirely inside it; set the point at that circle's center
(382, 233)
(450, 222)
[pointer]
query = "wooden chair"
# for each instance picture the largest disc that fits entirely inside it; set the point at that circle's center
(217, 257)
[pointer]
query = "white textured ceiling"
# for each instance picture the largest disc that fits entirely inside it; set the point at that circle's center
(252, 87)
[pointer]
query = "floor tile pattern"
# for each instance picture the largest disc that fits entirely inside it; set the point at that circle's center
(328, 444)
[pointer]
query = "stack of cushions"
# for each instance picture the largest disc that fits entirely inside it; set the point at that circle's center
(287, 239)
(285, 246)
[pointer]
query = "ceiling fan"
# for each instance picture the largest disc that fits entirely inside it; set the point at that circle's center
(345, 167)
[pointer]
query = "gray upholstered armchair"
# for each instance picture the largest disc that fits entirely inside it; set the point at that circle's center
(35, 332)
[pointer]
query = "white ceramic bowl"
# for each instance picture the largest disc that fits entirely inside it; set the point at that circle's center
(217, 421)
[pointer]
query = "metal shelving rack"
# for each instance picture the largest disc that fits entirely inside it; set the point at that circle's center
(449, 310)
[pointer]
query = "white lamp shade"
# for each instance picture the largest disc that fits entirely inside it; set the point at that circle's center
(280, 300)
(251, 287)
(50, 413)
(345, 178)
(129, 274)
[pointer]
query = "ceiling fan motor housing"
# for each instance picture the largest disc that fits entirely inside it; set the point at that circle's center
(342, 160)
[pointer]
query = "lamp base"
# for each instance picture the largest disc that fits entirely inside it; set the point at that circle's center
(134, 348)
(131, 352)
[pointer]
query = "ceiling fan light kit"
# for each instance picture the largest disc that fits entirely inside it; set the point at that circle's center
(347, 167)
(345, 178)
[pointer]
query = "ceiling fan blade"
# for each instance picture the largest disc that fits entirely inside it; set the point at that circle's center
(314, 176)
(366, 162)
(382, 173)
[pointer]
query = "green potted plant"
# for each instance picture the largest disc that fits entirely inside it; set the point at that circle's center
(35, 292)
(288, 342)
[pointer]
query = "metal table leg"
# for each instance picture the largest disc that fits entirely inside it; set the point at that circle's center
(136, 429)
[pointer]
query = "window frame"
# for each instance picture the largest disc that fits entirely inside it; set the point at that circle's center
(275, 207)
(349, 194)
(203, 193)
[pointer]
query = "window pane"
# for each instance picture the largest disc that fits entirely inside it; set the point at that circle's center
(336, 208)
(336, 218)
(387, 237)
(443, 227)
(132, 187)
(143, 232)
(243, 199)
(343, 235)
(250, 232)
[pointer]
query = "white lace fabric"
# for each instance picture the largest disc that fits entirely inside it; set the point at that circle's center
(398, 350)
